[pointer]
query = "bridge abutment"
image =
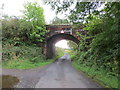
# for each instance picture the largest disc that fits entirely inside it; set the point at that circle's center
(50, 50)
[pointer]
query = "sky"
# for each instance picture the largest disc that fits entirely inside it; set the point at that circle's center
(13, 7)
(62, 44)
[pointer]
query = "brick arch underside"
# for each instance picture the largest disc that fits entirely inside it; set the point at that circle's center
(51, 52)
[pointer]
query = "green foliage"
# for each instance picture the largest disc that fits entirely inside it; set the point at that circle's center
(94, 25)
(57, 20)
(100, 47)
(34, 14)
(59, 52)
(23, 64)
(104, 46)
(13, 52)
(22, 57)
(30, 28)
(73, 49)
(100, 76)
(72, 45)
(80, 13)
(16, 30)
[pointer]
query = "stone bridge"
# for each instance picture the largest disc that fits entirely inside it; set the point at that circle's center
(57, 33)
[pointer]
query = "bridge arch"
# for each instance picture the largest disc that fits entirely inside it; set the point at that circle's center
(51, 41)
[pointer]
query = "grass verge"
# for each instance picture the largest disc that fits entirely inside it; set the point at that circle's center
(23, 64)
(99, 76)
(23, 56)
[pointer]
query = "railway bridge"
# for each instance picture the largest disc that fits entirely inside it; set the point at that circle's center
(57, 33)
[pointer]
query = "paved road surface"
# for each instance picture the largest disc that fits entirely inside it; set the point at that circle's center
(59, 74)
(62, 75)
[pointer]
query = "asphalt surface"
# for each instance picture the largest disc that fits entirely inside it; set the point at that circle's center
(59, 74)
(62, 75)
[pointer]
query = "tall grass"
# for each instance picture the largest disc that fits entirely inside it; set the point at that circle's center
(103, 78)
(23, 56)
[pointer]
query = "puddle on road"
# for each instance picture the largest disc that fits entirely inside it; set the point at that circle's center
(9, 81)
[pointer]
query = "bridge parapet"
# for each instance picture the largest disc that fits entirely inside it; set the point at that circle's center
(56, 29)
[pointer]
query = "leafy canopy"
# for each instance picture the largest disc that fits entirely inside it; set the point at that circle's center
(34, 14)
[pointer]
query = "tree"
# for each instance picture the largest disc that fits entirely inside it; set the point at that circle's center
(57, 20)
(33, 13)
(80, 13)
(72, 45)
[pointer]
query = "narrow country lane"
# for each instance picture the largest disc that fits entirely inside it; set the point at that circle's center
(56, 75)
(62, 75)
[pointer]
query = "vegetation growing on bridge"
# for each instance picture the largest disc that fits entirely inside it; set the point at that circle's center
(98, 50)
